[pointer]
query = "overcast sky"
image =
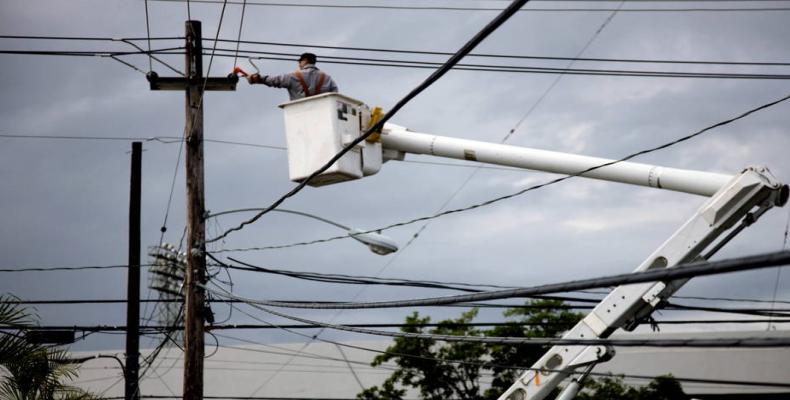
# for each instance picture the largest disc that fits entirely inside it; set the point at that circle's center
(65, 203)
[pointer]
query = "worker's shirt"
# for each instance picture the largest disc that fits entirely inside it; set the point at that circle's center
(290, 81)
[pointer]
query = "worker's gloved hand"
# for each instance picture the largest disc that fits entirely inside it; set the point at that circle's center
(254, 78)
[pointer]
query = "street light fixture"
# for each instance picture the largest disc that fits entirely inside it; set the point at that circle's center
(376, 242)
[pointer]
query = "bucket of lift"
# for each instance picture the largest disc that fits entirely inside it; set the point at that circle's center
(319, 127)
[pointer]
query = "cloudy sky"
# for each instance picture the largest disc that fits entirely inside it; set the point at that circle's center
(65, 202)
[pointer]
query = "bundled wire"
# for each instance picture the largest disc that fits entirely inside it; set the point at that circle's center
(683, 271)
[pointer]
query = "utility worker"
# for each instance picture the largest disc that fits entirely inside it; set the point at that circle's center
(304, 82)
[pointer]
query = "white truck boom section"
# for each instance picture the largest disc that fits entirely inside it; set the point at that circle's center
(318, 127)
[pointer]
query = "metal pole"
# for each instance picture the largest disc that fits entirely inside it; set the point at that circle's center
(196, 234)
(131, 390)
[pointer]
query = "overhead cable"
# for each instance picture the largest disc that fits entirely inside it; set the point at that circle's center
(490, 9)
(404, 51)
(683, 271)
(490, 365)
(74, 268)
(241, 25)
(545, 341)
(522, 191)
(472, 288)
(435, 76)
(160, 139)
(225, 327)
(530, 69)
(148, 34)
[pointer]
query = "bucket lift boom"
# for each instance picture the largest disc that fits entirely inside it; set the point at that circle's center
(318, 127)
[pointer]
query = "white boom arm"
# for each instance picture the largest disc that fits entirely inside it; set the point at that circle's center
(695, 182)
(320, 126)
(733, 198)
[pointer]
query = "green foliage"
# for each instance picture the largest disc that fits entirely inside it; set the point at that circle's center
(542, 319)
(33, 372)
(418, 368)
(435, 380)
(612, 388)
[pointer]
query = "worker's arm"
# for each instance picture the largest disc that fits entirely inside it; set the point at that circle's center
(278, 81)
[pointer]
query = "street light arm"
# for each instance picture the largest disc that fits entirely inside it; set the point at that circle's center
(341, 226)
(376, 242)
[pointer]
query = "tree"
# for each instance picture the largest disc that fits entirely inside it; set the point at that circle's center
(612, 388)
(440, 371)
(34, 372)
(435, 380)
(541, 318)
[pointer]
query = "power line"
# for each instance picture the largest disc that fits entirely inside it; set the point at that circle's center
(373, 62)
(75, 268)
(531, 69)
(452, 8)
(683, 271)
(489, 365)
(159, 139)
(467, 287)
(512, 195)
(435, 76)
(403, 51)
(148, 34)
(544, 341)
(224, 327)
(241, 25)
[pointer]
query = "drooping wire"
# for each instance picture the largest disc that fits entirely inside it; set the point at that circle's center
(779, 271)
(128, 64)
(687, 270)
(458, 362)
(708, 342)
(474, 173)
(238, 40)
(559, 77)
(130, 40)
(435, 76)
(492, 9)
(520, 192)
(148, 34)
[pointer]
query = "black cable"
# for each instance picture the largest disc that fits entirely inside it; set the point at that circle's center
(238, 40)
(75, 268)
(418, 52)
(543, 341)
(476, 288)
(683, 271)
(148, 34)
(450, 8)
(523, 69)
(160, 139)
(489, 365)
(128, 64)
(150, 329)
(506, 56)
(520, 192)
(92, 53)
(424, 65)
(436, 75)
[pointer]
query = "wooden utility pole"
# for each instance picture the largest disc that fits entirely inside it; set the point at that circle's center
(193, 83)
(196, 206)
(131, 390)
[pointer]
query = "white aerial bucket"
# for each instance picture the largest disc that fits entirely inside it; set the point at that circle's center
(317, 128)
